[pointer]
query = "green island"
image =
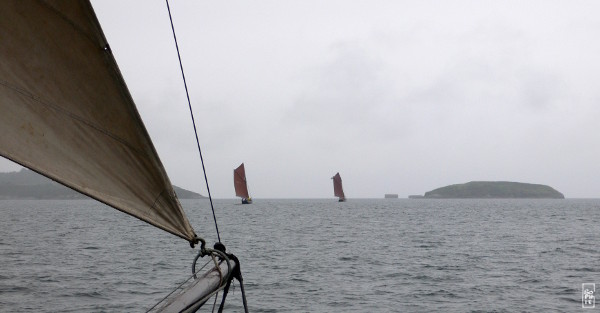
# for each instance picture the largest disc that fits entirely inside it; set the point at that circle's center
(27, 184)
(494, 190)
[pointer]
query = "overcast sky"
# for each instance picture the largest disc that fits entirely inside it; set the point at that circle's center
(397, 96)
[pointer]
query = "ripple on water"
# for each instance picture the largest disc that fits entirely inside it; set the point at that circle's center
(309, 255)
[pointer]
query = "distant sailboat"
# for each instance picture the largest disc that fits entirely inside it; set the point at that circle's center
(67, 114)
(338, 191)
(241, 185)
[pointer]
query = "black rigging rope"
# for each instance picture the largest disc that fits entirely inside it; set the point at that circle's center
(193, 122)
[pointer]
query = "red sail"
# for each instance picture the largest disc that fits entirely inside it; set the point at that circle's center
(239, 181)
(337, 186)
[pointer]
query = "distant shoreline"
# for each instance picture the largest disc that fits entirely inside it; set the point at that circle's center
(29, 185)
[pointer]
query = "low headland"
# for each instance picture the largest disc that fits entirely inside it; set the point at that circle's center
(27, 184)
(494, 190)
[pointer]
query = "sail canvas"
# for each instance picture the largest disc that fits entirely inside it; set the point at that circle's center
(338, 191)
(239, 182)
(67, 113)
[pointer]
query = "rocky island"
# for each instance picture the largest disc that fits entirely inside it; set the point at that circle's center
(26, 184)
(494, 189)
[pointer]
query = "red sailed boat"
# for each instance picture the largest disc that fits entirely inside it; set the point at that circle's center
(240, 184)
(338, 191)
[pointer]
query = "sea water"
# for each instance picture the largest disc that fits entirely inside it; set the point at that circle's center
(363, 255)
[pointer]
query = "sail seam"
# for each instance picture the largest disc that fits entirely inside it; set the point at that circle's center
(66, 19)
(67, 113)
(157, 198)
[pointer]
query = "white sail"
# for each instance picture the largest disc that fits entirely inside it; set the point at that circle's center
(66, 112)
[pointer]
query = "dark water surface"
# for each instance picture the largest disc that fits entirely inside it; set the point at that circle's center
(393, 255)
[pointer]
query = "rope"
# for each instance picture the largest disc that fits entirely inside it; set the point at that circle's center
(222, 279)
(219, 248)
(178, 287)
(193, 121)
(225, 258)
(237, 274)
(215, 302)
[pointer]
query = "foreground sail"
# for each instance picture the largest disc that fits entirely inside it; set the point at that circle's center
(337, 187)
(240, 184)
(67, 113)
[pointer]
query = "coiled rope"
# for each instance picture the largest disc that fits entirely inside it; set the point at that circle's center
(222, 280)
